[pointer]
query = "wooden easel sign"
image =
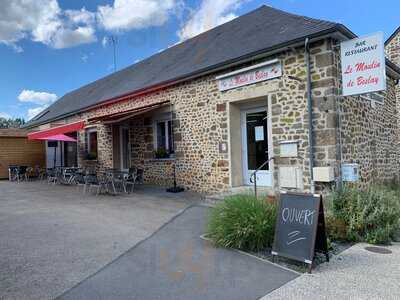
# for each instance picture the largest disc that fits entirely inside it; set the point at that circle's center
(300, 227)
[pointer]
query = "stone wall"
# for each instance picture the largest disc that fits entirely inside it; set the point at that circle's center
(370, 133)
(392, 48)
(289, 108)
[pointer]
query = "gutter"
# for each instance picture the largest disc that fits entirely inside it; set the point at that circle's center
(310, 113)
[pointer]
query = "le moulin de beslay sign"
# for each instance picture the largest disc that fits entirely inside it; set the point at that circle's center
(257, 73)
(363, 65)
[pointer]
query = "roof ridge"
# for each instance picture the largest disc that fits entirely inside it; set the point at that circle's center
(298, 16)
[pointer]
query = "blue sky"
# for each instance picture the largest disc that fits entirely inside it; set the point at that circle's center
(50, 47)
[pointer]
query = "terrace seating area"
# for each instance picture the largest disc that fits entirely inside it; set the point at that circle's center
(110, 181)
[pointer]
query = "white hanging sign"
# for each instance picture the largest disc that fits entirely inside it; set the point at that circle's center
(260, 72)
(363, 65)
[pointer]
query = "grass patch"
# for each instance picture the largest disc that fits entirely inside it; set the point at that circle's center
(242, 222)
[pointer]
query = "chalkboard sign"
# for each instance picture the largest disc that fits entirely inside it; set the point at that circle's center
(300, 227)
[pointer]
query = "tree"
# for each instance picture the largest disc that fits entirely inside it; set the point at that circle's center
(11, 123)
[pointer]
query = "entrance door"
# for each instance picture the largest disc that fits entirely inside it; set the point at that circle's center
(255, 146)
(124, 148)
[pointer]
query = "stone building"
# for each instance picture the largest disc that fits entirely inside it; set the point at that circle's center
(218, 106)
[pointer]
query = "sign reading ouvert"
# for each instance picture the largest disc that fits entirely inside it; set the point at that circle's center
(253, 74)
(363, 65)
(300, 227)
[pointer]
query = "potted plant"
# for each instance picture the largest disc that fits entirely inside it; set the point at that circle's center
(91, 156)
(161, 153)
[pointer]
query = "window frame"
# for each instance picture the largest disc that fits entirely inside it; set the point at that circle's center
(166, 119)
(90, 131)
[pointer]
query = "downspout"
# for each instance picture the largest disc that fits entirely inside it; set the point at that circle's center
(310, 113)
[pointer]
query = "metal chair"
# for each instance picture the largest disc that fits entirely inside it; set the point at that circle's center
(139, 176)
(51, 175)
(131, 179)
(22, 173)
(40, 172)
(79, 180)
(30, 173)
(96, 181)
(13, 173)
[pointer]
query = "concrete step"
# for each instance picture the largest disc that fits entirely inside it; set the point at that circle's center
(245, 189)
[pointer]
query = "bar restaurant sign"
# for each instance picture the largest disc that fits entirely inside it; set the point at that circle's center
(363, 65)
(260, 72)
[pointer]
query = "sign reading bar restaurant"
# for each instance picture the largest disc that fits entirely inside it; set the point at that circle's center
(260, 72)
(363, 65)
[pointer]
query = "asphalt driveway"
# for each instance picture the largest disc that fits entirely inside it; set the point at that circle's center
(176, 264)
(57, 242)
(53, 237)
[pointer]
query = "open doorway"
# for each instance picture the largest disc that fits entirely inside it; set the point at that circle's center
(254, 126)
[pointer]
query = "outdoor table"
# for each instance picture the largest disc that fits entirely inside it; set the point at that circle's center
(117, 177)
(15, 172)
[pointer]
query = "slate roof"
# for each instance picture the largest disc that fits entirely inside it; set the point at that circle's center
(261, 30)
(397, 31)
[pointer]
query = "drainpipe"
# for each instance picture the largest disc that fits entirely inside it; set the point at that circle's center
(309, 107)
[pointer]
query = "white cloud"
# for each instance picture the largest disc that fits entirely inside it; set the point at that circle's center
(44, 21)
(65, 37)
(32, 112)
(210, 14)
(85, 58)
(40, 98)
(135, 14)
(4, 115)
(81, 16)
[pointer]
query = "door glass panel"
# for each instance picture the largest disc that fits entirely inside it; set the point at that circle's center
(125, 148)
(257, 140)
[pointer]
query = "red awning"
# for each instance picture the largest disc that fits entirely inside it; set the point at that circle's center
(56, 130)
(58, 137)
(122, 116)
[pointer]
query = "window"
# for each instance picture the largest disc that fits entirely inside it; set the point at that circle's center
(92, 143)
(164, 141)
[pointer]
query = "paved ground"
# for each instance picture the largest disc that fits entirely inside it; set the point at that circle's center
(176, 264)
(52, 237)
(354, 274)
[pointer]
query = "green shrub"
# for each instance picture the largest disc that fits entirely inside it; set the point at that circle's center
(161, 153)
(242, 222)
(370, 215)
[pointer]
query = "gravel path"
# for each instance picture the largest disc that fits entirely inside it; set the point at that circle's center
(354, 274)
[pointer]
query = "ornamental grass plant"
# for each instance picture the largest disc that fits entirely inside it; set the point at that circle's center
(371, 215)
(242, 222)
